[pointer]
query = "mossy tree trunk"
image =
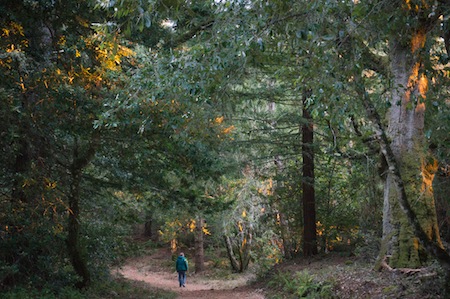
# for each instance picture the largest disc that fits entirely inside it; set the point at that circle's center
(410, 228)
(431, 245)
(406, 134)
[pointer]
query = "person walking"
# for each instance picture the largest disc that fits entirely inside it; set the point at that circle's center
(182, 266)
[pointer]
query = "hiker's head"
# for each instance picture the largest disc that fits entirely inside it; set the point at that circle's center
(181, 254)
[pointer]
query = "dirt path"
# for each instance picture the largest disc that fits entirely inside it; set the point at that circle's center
(149, 270)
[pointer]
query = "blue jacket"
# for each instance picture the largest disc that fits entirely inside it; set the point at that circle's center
(181, 263)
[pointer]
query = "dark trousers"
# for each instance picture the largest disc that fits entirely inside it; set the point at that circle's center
(182, 278)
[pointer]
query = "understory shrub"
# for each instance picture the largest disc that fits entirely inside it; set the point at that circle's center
(299, 285)
(104, 290)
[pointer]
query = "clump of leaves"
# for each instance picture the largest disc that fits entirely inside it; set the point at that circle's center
(300, 285)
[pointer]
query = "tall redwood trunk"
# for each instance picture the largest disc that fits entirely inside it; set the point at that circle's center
(308, 197)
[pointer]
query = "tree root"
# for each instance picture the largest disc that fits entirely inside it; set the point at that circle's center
(384, 265)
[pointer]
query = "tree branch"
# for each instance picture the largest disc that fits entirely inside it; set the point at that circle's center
(191, 33)
(377, 63)
(81, 161)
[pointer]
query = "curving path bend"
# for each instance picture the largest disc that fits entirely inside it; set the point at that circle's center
(196, 286)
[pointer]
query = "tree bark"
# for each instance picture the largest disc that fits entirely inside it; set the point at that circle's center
(246, 245)
(73, 245)
(431, 244)
(21, 166)
(27, 147)
(233, 261)
(79, 162)
(283, 223)
(308, 195)
(406, 132)
(285, 236)
(151, 228)
(409, 213)
(199, 245)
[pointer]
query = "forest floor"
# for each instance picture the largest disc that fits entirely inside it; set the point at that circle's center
(349, 277)
(154, 269)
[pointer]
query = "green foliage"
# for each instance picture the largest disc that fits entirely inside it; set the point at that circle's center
(299, 285)
(105, 290)
(125, 288)
(204, 79)
(32, 247)
(266, 252)
(50, 118)
(107, 229)
(247, 225)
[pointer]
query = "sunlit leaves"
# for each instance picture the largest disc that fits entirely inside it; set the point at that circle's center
(56, 71)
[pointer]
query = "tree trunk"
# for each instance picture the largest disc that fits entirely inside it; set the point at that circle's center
(233, 261)
(308, 196)
(151, 227)
(21, 167)
(246, 246)
(285, 231)
(405, 130)
(39, 35)
(283, 223)
(73, 245)
(79, 162)
(433, 246)
(199, 251)
(148, 228)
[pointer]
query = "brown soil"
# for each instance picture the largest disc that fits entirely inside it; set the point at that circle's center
(153, 270)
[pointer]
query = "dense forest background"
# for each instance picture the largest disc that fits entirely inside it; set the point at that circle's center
(259, 131)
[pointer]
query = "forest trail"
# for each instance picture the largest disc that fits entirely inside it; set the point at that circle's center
(150, 269)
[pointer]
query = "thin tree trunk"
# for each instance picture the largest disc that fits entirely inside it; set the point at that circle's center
(229, 246)
(80, 161)
(246, 247)
(73, 245)
(21, 167)
(199, 244)
(285, 236)
(283, 223)
(308, 196)
(148, 228)
(40, 35)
